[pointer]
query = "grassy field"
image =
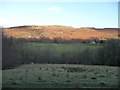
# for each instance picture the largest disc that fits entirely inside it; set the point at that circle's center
(60, 48)
(64, 45)
(60, 76)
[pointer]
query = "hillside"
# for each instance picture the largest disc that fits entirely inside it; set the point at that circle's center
(65, 32)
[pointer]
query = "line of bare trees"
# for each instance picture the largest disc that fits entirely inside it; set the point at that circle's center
(16, 52)
(61, 40)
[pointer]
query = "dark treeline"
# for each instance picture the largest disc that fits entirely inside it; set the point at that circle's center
(60, 40)
(16, 52)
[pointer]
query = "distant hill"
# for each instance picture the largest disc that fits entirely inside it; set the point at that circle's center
(65, 32)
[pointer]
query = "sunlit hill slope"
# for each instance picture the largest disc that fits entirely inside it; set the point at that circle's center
(65, 32)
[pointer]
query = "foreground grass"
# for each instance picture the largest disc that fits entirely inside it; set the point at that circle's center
(60, 76)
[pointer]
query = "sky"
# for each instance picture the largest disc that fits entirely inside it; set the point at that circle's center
(75, 14)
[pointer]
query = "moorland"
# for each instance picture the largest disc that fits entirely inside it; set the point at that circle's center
(60, 57)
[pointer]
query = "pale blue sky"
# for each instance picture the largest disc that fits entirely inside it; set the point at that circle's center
(76, 14)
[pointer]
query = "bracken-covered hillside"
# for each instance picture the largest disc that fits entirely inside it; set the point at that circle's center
(65, 32)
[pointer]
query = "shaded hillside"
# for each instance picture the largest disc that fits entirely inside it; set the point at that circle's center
(65, 32)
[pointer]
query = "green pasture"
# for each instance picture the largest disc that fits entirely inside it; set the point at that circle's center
(60, 76)
(60, 48)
